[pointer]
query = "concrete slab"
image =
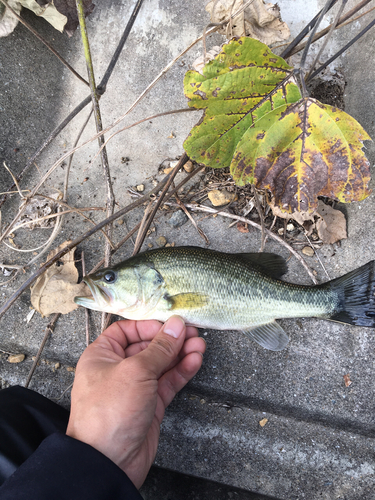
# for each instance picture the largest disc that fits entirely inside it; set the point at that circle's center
(319, 438)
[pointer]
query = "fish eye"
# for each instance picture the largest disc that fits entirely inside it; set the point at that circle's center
(110, 277)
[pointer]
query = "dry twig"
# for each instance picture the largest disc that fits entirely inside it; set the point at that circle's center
(48, 331)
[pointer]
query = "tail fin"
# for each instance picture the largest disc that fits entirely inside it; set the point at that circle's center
(356, 291)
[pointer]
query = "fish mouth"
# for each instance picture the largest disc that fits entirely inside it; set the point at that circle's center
(100, 296)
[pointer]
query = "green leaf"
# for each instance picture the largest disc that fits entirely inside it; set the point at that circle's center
(243, 83)
(301, 151)
(256, 122)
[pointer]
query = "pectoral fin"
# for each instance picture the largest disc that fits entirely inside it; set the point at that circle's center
(187, 301)
(270, 336)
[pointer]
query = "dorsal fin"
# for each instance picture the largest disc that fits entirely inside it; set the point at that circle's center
(269, 263)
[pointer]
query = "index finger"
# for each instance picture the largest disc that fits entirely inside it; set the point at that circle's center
(126, 332)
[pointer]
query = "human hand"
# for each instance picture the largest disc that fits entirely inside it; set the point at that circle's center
(124, 381)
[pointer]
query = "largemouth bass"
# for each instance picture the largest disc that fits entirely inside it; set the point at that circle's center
(222, 291)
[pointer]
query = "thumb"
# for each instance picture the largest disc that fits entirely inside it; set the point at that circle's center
(165, 346)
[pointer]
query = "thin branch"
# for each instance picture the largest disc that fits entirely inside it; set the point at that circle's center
(49, 47)
(48, 331)
(76, 242)
(87, 318)
(103, 84)
(288, 51)
(86, 101)
(335, 56)
(14, 180)
(203, 208)
(260, 213)
(184, 158)
(342, 22)
(98, 122)
(142, 225)
(317, 256)
(67, 172)
(63, 393)
(327, 38)
(188, 214)
(308, 45)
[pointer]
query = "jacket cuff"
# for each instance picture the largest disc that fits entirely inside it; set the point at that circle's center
(68, 469)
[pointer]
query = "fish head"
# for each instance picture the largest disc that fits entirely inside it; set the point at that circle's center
(131, 291)
(113, 290)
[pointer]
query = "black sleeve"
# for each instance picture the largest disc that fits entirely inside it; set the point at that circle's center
(67, 469)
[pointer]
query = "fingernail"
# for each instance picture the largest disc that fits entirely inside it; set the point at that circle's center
(174, 326)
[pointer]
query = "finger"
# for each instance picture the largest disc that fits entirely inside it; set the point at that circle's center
(164, 348)
(134, 349)
(191, 331)
(176, 378)
(195, 344)
(126, 332)
(190, 345)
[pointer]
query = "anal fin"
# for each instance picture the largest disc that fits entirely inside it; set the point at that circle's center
(270, 336)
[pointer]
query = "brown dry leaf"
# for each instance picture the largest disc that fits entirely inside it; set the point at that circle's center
(38, 208)
(263, 422)
(259, 20)
(16, 358)
(54, 290)
(299, 217)
(242, 227)
(331, 225)
(347, 380)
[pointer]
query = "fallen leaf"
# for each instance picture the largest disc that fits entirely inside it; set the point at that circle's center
(69, 9)
(259, 20)
(38, 208)
(242, 227)
(54, 290)
(219, 198)
(7, 20)
(16, 358)
(61, 14)
(347, 380)
(331, 225)
(308, 251)
(263, 422)
(300, 217)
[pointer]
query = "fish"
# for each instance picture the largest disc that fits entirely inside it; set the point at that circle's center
(222, 291)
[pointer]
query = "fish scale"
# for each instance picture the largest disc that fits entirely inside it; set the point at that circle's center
(223, 291)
